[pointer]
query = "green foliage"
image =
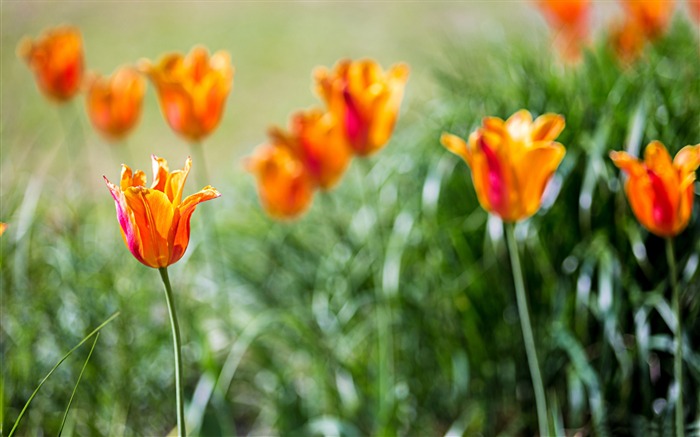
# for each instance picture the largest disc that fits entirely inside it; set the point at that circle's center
(389, 308)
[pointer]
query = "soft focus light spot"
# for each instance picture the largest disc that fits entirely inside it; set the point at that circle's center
(569, 264)
(639, 251)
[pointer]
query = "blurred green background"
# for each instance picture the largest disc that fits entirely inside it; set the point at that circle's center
(389, 307)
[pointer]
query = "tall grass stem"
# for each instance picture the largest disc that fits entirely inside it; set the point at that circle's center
(177, 345)
(526, 326)
(678, 355)
(77, 383)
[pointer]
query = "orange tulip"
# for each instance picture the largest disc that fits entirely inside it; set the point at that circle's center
(694, 7)
(511, 162)
(628, 40)
(114, 103)
(56, 58)
(284, 185)
(317, 139)
(652, 16)
(365, 98)
(569, 18)
(660, 191)
(3, 226)
(192, 90)
(155, 222)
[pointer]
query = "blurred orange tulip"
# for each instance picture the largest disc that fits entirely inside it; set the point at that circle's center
(284, 186)
(660, 191)
(366, 100)
(114, 103)
(317, 139)
(192, 90)
(652, 16)
(155, 222)
(56, 58)
(628, 40)
(694, 7)
(3, 226)
(511, 162)
(569, 19)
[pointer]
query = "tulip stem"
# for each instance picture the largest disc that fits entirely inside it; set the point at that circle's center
(524, 314)
(202, 173)
(678, 355)
(177, 344)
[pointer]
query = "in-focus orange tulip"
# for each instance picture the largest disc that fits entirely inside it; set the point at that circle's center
(114, 103)
(192, 90)
(366, 100)
(660, 191)
(284, 186)
(317, 139)
(511, 161)
(652, 16)
(569, 19)
(155, 221)
(56, 58)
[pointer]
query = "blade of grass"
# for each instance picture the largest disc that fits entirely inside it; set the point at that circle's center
(29, 401)
(77, 383)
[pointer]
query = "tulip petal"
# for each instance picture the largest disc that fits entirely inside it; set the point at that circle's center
(127, 222)
(456, 145)
(687, 160)
(627, 163)
(519, 125)
(534, 171)
(153, 213)
(180, 232)
(176, 183)
(547, 127)
(160, 173)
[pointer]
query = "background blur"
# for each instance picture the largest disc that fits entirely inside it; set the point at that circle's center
(389, 307)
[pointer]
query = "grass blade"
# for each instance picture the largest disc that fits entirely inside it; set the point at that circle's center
(80, 376)
(29, 401)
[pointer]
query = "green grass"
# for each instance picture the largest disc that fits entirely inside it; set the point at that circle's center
(389, 308)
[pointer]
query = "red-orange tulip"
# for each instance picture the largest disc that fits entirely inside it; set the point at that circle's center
(660, 191)
(56, 58)
(511, 162)
(628, 39)
(192, 90)
(114, 103)
(317, 139)
(284, 186)
(652, 16)
(569, 19)
(366, 100)
(694, 7)
(155, 221)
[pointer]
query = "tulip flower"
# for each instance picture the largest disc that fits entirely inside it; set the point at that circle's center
(192, 90)
(694, 8)
(511, 162)
(56, 58)
(284, 185)
(3, 226)
(114, 103)
(660, 191)
(155, 221)
(652, 16)
(317, 139)
(569, 19)
(366, 100)
(628, 40)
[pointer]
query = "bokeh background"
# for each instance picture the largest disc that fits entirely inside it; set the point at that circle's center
(388, 308)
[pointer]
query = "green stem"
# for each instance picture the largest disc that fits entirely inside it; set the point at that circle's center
(524, 314)
(177, 344)
(202, 173)
(678, 356)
